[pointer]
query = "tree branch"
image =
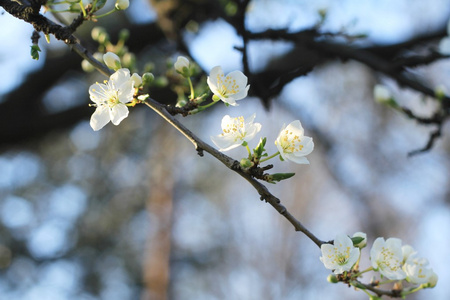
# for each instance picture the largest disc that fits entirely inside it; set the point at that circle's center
(233, 165)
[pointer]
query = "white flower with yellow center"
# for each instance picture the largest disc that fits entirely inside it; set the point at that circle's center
(236, 131)
(341, 256)
(387, 257)
(229, 88)
(293, 145)
(110, 98)
(417, 269)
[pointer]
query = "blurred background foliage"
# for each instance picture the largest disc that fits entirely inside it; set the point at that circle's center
(132, 212)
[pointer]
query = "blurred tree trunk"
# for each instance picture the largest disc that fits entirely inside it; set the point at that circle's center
(159, 205)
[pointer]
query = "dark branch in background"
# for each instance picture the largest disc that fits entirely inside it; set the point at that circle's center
(29, 12)
(396, 69)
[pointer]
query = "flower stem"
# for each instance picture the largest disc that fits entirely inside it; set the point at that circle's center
(192, 96)
(82, 8)
(106, 14)
(203, 107)
(272, 156)
(248, 149)
(362, 272)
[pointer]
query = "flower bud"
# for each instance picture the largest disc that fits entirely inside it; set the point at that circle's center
(129, 60)
(112, 61)
(86, 66)
(124, 34)
(182, 66)
(147, 78)
(137, 80)
(161, 81)
(122, 4)
(246, 163)
(363, 242)
(332, 278)
(97, 32)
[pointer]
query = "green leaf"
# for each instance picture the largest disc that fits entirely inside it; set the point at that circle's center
(279, 176)
(259, 150)
(35, 52)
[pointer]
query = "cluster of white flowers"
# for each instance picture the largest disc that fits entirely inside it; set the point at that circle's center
(291, 142)
(390, 258)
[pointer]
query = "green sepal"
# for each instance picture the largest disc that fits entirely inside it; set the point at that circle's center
(356, 240)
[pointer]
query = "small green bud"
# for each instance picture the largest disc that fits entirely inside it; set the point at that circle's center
(215, 98)
(147, 78)
(86, 66)
(246, 163)
(161, 81)
(97, 32)
(124, 34)
(332, 278)
(129, 59)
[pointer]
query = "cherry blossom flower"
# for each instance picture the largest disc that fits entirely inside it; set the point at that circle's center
(229, 88)
(417, 269)
(341, 256)
(293, 145)
(110, 98)
(387, 257)
(236, 131)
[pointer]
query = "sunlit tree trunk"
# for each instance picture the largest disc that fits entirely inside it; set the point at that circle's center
(159, 206)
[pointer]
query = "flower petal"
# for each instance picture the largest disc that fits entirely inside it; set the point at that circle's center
(225, 143)
(126, 91)
(120, 77)
(97, 92)
(118, 113)
(100, 118)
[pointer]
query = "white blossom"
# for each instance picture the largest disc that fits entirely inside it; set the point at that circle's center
(110, 98)
(112, 60)
(182, 66)
(293, 145)
(236, 131)
(341, 256)
(122, 4)
(387, 257)
(417, 269)
(229, 88)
